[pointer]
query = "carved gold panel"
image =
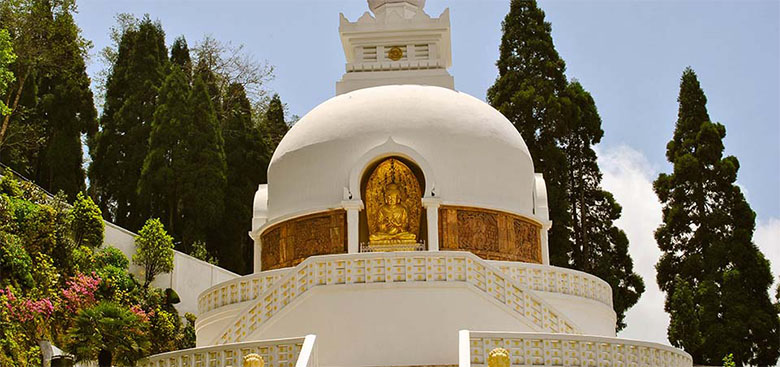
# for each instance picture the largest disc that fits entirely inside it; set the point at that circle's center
(490, 234)
(288, 243)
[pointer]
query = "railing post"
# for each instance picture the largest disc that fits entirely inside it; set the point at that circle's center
(464, 349)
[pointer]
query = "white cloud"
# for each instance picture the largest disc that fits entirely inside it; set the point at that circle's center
(629, 176)
(767, 238)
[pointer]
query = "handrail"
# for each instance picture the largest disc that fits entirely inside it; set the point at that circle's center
(547, 349)
(287, 352)
(548, 278)
(434, 266)
(537, 277)
(240, 289)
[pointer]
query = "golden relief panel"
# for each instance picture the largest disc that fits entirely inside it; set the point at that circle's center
(290, 242)
(393, 205)
(490, 234)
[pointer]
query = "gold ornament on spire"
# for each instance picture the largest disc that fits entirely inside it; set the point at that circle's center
(393, 205)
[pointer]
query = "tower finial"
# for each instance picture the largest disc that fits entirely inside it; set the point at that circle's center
(376, 4)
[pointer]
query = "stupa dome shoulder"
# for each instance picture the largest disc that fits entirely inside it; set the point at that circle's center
(470, 153)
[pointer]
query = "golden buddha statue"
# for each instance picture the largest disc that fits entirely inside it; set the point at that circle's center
(392, 219)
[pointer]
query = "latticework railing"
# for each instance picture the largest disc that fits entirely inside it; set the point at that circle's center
(291, 352)
(237, 290)
(553, 279)
(554, 350)
(398, 267)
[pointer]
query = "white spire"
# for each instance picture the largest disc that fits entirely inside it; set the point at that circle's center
(398, 44)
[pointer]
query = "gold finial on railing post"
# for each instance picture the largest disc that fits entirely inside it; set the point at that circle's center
(499, 357)
(253, 360)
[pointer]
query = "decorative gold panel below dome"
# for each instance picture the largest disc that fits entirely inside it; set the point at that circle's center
(490, 234)
(288, 243)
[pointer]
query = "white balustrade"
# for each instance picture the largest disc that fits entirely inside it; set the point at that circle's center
(397, 267)
(290, 352)
(553, 350)
(553, 279)
(237, 290)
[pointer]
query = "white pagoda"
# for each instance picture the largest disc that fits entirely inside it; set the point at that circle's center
(403, 225)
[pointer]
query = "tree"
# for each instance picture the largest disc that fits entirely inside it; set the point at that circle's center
(180, 55)
(7, 57)
(119, 149)
(598, 246)
(110, 333)
(275, 126)
(86, 222)
(706, 243)
(528, 92)
(154, 250)
(204, 169)
(66, 107)
(160, 182)
(247, 161)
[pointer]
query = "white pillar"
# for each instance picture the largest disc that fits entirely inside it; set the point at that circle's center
(353, 208)
(431, 206)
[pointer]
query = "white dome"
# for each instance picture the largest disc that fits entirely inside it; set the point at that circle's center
(470, 154)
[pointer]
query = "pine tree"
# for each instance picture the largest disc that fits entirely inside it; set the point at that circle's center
(598, 246)
(160, 182)
(528, 92)
(180, 55)
(66, 107)
(204, 170)
(275, 126)
(247, 161)
(706, 244)
(119, 149)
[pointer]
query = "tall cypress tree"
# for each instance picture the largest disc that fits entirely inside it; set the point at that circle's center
(160, 181)
(247, 162)
(203, 170)
(528, 92)
(708, 251)
(180, 55)
(598, 246)
(119, 149)
(67, 108)
(275, 126)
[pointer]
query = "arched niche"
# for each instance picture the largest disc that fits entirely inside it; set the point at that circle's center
(420, 221)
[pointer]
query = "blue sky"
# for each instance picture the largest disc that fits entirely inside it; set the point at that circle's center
(628, 54)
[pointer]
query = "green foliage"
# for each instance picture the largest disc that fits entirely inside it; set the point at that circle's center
(180, 56)
(204, 169)
(119, 149)
(87, 222)
(275, 126)
(154, 250)
(560, 124)
(247, 156)
(706, 244)
(200, 252)
(161, 176)
(9, 185)
(112, 329)
(51, 101)
(187, 335)
(15, 262)
(7, 57)
(528, 92)
(728, 361)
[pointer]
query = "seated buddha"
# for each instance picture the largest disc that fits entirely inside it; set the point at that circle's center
(392, 220)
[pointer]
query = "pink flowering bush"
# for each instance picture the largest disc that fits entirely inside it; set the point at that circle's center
(80, 292)
(143, 315)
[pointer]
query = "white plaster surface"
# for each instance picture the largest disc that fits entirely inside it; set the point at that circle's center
(389, 325)
(478, 156)
(189, 277)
